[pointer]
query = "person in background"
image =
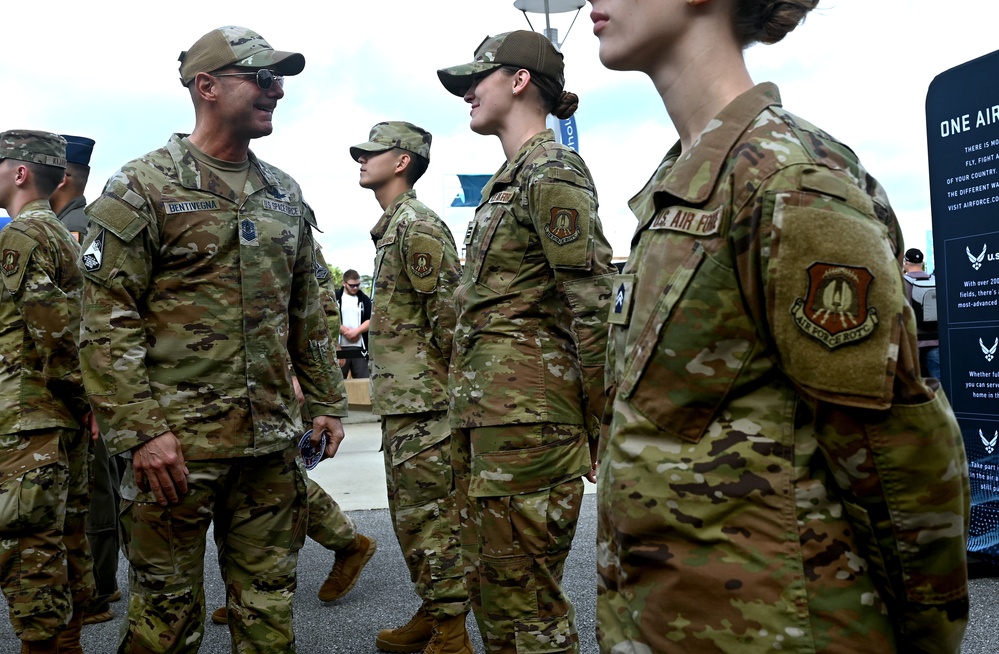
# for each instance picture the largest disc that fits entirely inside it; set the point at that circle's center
(68, 201)
(527, 371)
(776, 474)
(199, 289)
(412, 325)
(355, 318)
(46, 425)
(921, 290)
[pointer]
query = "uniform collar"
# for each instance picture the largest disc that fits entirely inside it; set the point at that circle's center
(79, 202)
(378, 231)
(692, 176)
(193, 176)
(508, 172)
(41, 204)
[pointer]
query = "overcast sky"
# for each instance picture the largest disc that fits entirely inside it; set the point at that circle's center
(859, 69)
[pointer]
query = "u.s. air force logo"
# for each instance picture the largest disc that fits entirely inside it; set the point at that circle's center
(421, 264)
(9, 262)
(563, 225)
(835, 312)
(94, 255)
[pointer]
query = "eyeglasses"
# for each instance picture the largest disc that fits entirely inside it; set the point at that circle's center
(266, 78)
(353, 285)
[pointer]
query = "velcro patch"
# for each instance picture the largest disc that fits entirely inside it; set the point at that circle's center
(620, 308)
(689, 221)
(248, 232)
(563, 225)
(502, 197)
(10, 262)
(835, 311)
(17, 250)
(190, 206)
(281, 207)
(564, 214)
(425, 253)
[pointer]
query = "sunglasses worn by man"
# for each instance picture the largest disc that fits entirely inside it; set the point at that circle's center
(265, 77)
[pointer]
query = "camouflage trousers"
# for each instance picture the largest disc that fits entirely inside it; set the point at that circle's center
(422, 506)
(46, 570)
(258, 507)
(520, 492)
(328, 524)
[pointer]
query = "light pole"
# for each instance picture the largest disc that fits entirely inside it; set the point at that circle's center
(565, 130)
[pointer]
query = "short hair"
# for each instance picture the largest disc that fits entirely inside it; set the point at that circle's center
(417, 166)
(79, 174)
(46, 178)
(351, 274)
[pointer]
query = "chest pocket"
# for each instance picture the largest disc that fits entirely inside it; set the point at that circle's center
(693, 346)
(496, 244)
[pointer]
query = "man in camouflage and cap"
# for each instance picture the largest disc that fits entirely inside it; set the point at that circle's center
(199, 290)
(45, 565)
(412, 323)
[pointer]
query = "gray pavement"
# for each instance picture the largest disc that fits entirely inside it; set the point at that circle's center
(384, 598)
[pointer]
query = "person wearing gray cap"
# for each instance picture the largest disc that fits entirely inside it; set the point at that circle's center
(412, 326)
(200, 290)
(526, 380)
(46, 424)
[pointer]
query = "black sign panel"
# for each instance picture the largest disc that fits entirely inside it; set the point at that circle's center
(962, 127)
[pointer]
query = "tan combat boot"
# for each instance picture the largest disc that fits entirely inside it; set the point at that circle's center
(220, 615)
(450, 637)
(413, 636)
(68, 639)
(347, 568)
(50, 646)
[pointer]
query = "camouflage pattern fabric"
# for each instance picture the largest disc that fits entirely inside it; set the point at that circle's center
(259, 502)
(527, 387)
(327, 293)
(412, 314)
(423, 509)
(45, 563)
(328, 524)
(75, 218)
(777, 475)
(170, 345)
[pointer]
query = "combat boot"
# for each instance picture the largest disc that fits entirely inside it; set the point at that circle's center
(413, 636)
(347, 568)
(68, 639)
(450, 637)
(50, 646)
(220, 615)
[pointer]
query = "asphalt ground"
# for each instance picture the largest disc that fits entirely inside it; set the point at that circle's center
(384, 597)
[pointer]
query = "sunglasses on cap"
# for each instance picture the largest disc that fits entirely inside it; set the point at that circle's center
(265, 77)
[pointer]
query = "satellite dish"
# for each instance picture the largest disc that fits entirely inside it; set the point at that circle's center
(549, 6)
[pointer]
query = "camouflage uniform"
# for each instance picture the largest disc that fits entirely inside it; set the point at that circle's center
(45, 564)
(74, 217)
(412, 324)
(526, 388)
(195, 296)
(777, 475)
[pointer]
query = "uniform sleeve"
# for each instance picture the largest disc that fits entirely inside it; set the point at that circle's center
(51, 317)
(432, 266)
(845, 338)
(117, 265)
(565, 217)
(310, 346)
(327, 295)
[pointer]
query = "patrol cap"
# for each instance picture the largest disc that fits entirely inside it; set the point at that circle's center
(523, 49)
(914, 255)
(235, 46)
(34, 146)
(78, 149)
(395, 134)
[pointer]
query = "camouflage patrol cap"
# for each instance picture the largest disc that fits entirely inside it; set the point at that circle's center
(523, 49)
(395, 134)
(235, 46)
(34, 146)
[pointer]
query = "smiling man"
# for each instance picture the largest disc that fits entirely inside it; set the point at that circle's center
(199, 290)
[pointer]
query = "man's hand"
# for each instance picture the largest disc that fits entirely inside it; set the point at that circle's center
(160, 467)
(591, 476)
(298, 391)
(334, 434)
(89, 423)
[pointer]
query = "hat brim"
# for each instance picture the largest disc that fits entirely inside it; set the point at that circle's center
(357, 150)
(458, 79)
(283, 63)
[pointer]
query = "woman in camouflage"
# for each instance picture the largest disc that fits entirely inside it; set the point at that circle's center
(526, 378)
(777, 474)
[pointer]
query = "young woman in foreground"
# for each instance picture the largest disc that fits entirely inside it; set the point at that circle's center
(778, 476)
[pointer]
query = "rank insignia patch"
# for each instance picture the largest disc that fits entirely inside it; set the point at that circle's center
(421, 264)
(835, 312)
(94, 255)
(247, 231)
(563, 226)
(9, 263)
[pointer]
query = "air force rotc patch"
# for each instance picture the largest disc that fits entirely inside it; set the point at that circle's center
(563, 225)
(9, 262)
(94, 255)
(836, 312)
(422, 265)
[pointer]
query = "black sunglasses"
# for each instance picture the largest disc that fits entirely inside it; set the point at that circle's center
(266, 78)
(353, 285)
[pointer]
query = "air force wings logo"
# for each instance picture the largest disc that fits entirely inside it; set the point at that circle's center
(976, 262)
(990, 445)
(989, 352)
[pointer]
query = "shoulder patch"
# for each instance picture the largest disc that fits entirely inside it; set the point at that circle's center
(94, 256)
(563, 225)
(564, 214)
(424, 256)
(119, 217)
(14, 255)
(835, 310)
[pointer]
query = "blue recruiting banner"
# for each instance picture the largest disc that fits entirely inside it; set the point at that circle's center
(565, 130)
(962, 131)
